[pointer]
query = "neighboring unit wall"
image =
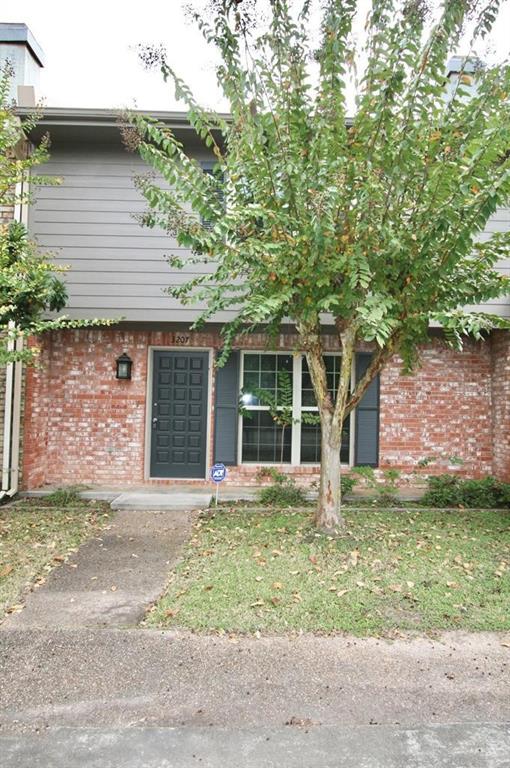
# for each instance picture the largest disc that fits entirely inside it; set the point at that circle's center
(500, 353)
(85, 426)
(441, 413)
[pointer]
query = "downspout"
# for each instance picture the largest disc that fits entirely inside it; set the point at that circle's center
(12, 409)
(12, 425)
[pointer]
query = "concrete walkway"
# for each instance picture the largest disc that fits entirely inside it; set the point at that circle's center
(454, 746)
(112, 579)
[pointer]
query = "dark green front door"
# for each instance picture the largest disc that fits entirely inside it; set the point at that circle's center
(179, 414)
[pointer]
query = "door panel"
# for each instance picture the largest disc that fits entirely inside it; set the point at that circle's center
(179, 414)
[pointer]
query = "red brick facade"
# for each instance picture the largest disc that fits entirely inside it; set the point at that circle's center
(84, 426)
(442, 413)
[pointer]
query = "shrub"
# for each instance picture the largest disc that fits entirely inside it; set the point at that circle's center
(347, 483)
(282, 493)
(451, 491)
(65, 497)
(385, 490)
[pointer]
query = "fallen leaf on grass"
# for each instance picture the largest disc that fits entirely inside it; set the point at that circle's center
(257, 604)
(342, 592)
(354, 557)
(276, 600)
(5, 571)
(171, 612)
(395, 587)
(277, 585)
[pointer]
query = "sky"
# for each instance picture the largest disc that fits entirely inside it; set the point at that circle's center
(91, 58)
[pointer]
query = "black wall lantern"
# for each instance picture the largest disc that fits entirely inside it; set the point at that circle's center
(124, 365)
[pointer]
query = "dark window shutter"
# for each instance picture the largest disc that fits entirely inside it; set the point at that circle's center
(366, 441)
(226, 411)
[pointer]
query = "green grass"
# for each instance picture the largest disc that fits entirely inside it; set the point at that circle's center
(388, 571)
(35, 537)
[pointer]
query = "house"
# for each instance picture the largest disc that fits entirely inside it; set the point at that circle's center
(175, 414)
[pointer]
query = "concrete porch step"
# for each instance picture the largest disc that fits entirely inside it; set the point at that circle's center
(161, 501)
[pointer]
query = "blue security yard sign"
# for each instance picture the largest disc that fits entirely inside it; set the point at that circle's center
(218, 474)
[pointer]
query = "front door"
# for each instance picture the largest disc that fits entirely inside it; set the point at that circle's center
(179, 414)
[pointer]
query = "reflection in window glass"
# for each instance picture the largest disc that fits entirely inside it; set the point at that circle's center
(262, 439)
(311, 443)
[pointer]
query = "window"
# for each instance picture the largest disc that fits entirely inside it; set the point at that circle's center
(310, 452)
(209, 167)
(262, 439)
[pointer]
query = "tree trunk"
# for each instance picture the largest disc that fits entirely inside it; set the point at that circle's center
(328, 515)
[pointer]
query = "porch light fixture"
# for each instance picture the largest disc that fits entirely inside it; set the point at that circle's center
(124, 365)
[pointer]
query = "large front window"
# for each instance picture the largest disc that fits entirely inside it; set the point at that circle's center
(267, 438)
(279, 413)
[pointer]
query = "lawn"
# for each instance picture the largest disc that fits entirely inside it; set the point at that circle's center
(419, 570)
(36, 536)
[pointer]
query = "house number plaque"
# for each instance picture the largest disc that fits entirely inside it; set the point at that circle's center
(181, 338)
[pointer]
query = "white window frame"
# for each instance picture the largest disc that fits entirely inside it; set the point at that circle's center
(295, 458)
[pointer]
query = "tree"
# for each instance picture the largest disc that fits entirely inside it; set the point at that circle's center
(370, 219)
(29, 280)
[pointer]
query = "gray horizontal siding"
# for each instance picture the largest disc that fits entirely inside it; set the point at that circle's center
(499, 222)
(116, 267)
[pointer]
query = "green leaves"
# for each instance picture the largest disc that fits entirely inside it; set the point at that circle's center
(373, 218)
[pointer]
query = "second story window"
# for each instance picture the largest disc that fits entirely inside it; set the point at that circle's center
(209, 166)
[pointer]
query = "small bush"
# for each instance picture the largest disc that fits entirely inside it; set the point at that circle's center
(65, 497)
(347, 484)
(282, 493)
(451, 491)
(385, 490)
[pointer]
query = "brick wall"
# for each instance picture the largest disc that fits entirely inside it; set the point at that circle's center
(82, 425)
(442, 413)
(500, 354)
